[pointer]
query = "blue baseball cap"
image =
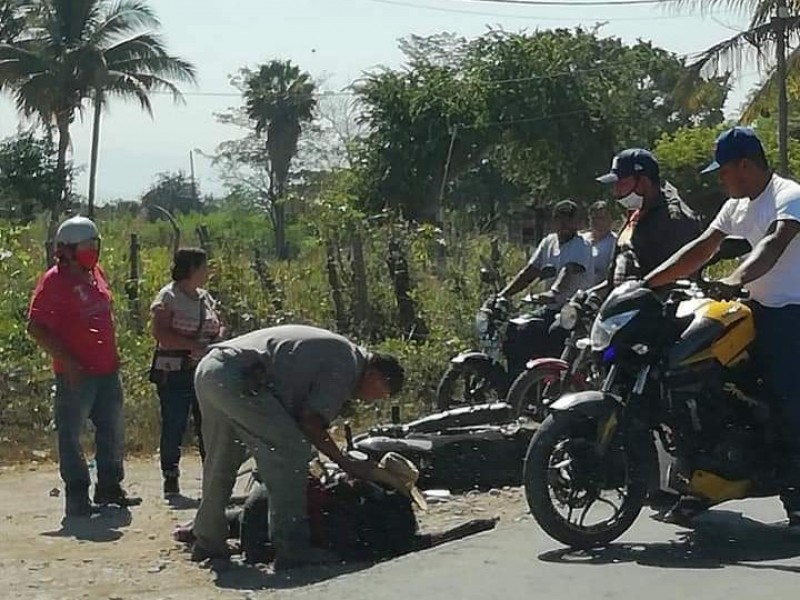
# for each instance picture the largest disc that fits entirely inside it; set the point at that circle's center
(735, 144)
(629, 163)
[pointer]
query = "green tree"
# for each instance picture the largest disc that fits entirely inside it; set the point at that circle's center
(547, 110)
(13, 19)
(64, 55)
(134, 64)
(28, 175)
(279, 101)
(683, 153)
(173, 192)
(764, 44)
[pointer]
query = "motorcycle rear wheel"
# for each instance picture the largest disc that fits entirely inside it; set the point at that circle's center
(561, 468)
(528, 394)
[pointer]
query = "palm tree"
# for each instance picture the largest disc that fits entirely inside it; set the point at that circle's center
(770, 32)
(73, 48)
(279, 99)
(12, 19)
(136, 64)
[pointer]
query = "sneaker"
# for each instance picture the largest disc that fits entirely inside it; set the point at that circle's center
(114, 494)
(172, 487)
(311, 557)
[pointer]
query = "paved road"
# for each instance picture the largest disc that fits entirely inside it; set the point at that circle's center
(741, 551)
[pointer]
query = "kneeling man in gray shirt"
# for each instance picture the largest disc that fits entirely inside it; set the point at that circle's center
(273, 392)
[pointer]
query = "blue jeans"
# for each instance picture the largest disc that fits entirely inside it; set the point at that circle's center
(777, 352)
(98, 398)
(176, 400)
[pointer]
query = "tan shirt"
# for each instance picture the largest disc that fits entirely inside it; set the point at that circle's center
(187, 312)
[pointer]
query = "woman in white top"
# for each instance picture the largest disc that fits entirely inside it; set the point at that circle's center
(185, 322)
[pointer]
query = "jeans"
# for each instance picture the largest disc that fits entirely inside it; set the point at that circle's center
(177, 400)
(235, 423)
(98, 398)
(777, 351)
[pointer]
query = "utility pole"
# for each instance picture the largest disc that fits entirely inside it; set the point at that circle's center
(191, 166)
(779, 24)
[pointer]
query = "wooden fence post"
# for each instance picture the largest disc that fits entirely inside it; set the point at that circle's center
(205, 238)
(336, 287)
(267, 283)
(361, 313)
(132, 285)
(412, 325)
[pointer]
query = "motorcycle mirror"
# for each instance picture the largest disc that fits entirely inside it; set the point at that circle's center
(730, 247)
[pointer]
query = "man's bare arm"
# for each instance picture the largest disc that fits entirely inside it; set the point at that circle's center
(51, 344)
(765, 254)
(315, 429)
(521, 280)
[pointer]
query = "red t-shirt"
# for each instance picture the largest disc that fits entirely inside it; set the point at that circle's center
(78, 312)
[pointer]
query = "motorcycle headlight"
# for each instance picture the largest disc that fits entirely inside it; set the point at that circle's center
(604, 329)
(568, 317)
(481, 322)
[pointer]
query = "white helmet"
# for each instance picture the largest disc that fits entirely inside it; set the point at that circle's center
(76, 230)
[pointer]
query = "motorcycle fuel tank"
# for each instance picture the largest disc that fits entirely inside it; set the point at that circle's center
(720, 330)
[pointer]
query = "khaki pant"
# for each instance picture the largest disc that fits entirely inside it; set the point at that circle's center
(234, 423)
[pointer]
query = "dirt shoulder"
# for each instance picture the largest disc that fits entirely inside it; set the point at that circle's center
(116, 556)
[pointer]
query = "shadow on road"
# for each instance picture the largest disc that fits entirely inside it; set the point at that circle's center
(719, 538)
(247, 577)
(182, 502)
(101, 527)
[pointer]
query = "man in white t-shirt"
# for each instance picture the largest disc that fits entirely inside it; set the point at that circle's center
(765, 209)
(571, 256)
(602, 240)
(564, 250)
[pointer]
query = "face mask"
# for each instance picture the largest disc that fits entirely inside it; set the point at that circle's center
(87, 257)
(632, 201)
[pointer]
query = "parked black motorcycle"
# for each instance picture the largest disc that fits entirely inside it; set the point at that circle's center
(480, 376)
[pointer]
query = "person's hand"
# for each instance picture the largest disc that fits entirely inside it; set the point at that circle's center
(73, 373)
(727, 288)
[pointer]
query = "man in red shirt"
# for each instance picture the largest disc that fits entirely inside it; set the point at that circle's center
(70, 318)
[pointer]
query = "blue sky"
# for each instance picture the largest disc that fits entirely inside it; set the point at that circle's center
(335, 40)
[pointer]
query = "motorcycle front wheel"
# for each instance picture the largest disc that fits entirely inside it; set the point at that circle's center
(577, 497)
(470, 384)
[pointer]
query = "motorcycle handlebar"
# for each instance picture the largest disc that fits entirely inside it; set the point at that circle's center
(713, 289)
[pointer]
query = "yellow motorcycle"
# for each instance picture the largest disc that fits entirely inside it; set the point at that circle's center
(679, 367)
